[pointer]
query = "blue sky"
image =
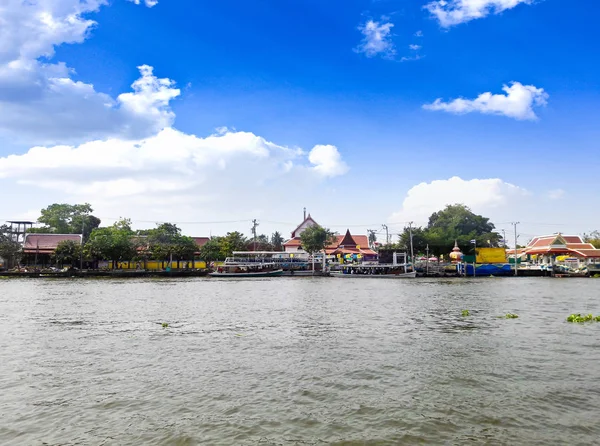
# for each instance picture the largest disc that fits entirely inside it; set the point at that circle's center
(301, 75)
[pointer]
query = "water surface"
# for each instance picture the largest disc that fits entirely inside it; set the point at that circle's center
(298, 361)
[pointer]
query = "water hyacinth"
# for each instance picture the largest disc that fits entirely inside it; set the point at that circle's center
(165, 325)
(511, 316)
(466, 313)
(577, 317)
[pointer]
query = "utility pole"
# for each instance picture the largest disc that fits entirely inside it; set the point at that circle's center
(427, 254)
(504, 238)
(254, 226)
(387, 234)
(412, 253)
(372, 236)
(81, 247)
(516, 257)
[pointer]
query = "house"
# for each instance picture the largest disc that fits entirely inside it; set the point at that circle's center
(547, 247)
(344, 245)
(39, 248)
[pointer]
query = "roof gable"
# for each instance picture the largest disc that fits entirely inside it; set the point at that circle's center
(347, 241)
(308, 221)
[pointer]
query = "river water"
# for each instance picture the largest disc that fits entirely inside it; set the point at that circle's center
(298, 361)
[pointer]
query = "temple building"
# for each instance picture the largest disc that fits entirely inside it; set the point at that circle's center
(344, 246)
(546, 248)
(41, 247)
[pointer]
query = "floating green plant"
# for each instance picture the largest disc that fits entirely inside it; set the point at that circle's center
(165, 325)
(511, 316)
(577, 317)
(466, 313)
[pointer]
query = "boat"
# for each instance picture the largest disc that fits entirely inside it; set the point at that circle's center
(292, 265)
(241, 270)
(374, 271)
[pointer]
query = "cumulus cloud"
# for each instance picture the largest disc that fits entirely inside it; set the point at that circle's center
(556, 194)
(480, 195)
(453, 12)
(518, 102)
(327, 161)
(415, 47)
(148, 3)
(377, 39)
(173, 173)
(39, 100)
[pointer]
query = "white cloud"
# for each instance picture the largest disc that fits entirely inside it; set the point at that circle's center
(175, 175)
(419, 33)
(377, 39)
(415, 47)
(39, 100)
(480, 195)
(327, 161)
(148, 3)
(556, 194)
(518, 102)
(454, 12)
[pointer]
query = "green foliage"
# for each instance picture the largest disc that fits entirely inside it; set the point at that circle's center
(166, 240)
(10, 250)
(315, 238)
(277, 241)
(68, 219)
(511, 316)
(165, 325)
(466, 313)
(454, 223)
(68, 252)
(114, 243)
(577, 317)
(211, 250)
(593, 238)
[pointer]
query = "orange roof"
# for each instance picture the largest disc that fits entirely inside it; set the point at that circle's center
(293, 242)
(561, 244)
(47, 243)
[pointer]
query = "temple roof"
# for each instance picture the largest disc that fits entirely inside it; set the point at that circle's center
(561, 244)
(47, 243)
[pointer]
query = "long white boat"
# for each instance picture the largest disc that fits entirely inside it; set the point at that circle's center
(241, 270)
(374, 271)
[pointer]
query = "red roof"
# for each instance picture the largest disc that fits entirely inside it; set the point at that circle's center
(201, 241)
(293, 242)
(561, 244)
(47, 243)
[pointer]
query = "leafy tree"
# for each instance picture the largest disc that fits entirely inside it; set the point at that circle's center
(114, 243)
(458, 222)
(277, 241)
(68, 252)
(10, 250)
(314, 239)
(419, 240)
(372, 238)
(233, 241)
(262, 244)
(593, 238)
(211, 250)
(68, 219)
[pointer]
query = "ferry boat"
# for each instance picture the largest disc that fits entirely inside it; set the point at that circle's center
(374, 271)
(241, 270)
(296, 266)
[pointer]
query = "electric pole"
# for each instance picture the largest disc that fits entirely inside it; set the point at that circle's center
(81, 250)
(516, 256)
(412, 253)
(254, 226)
(504, 238)
(387, 234)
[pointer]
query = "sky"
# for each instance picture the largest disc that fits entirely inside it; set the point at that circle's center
(365, 112)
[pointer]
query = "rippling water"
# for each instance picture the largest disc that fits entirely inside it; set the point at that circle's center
(298, 361)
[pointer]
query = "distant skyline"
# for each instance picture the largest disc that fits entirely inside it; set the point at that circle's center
(366, 113)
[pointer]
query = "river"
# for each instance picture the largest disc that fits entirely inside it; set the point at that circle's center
(298, 361)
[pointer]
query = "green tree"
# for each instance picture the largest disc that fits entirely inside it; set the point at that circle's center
(233, 241)
(10, 250)
(116, 243)
(211, 250)
(458, 222)
(277, 241)
(68, 252)
(593, 238)
(314, 239)
(419, 240)
(63, 218)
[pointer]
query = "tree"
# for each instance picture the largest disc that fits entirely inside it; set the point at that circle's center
(10, 250)
(233, 241)
(211, 250)
(314, 239)
(372, 238)
(114, 243)
(593, 238)
(458, 222)
(68, 252)
(419, 240)
(277, 241)
(63, 218)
